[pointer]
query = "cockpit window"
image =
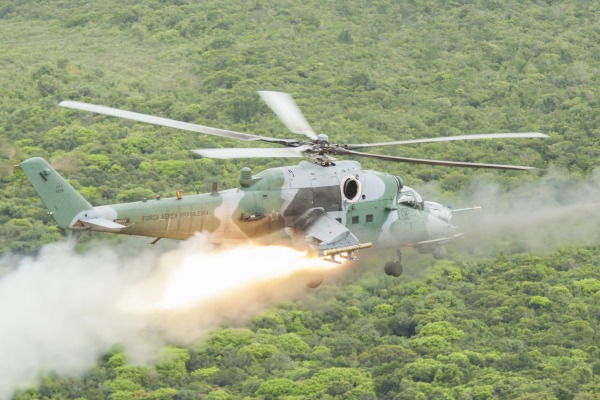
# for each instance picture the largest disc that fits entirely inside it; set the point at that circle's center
(409, 198)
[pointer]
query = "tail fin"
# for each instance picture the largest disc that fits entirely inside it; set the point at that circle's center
(61, 199)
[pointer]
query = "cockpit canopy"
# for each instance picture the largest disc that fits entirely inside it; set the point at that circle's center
(409, 198)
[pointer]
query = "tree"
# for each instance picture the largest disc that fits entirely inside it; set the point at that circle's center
(276, 388)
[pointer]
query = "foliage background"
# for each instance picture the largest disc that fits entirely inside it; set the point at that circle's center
(361, 71)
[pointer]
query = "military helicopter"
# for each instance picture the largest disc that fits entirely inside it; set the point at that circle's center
(332, 208)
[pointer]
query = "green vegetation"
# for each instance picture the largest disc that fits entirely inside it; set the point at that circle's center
(519, 326)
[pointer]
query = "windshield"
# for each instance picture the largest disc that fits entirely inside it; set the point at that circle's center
(409, 198)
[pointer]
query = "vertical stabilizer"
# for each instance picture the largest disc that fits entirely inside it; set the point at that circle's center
(61, 199)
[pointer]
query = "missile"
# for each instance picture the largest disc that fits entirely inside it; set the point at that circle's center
(346, 249)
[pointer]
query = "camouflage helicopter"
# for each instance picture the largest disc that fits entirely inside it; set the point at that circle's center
(332, 208)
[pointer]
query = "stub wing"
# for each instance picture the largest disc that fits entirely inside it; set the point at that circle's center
(332, 237)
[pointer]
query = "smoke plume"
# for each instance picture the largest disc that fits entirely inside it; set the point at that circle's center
(534, 216)
(63, 309)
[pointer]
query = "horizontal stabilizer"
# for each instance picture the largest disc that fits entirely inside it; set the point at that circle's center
(101, 225)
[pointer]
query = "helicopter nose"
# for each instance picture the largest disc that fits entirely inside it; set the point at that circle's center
(442, 212)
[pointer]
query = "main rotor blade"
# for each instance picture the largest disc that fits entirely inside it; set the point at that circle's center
(115, 112)
(452, 138)
(289, 152)
(433, 162)
(284, 106)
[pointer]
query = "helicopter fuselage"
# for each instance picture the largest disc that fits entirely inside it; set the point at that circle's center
(272, 206)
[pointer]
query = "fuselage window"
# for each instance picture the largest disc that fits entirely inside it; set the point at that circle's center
(355, 219)
(369, 217)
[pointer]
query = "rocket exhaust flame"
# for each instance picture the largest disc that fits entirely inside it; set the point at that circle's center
(198, 277)
(79, 305)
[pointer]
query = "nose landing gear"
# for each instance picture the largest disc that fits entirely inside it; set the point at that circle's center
(439, 253)
(394, 268)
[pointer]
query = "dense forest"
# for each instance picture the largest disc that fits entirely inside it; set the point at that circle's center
(512, 322)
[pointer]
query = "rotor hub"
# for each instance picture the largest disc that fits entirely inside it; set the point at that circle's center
(323, 138)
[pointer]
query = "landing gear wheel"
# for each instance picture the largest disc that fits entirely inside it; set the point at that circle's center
(389, 266)
(393, 268)
(439, 253)
(314, 280)
(398, 269)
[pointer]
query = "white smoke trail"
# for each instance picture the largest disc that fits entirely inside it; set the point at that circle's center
(535, 216)
(61, 310)
(56, 314)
